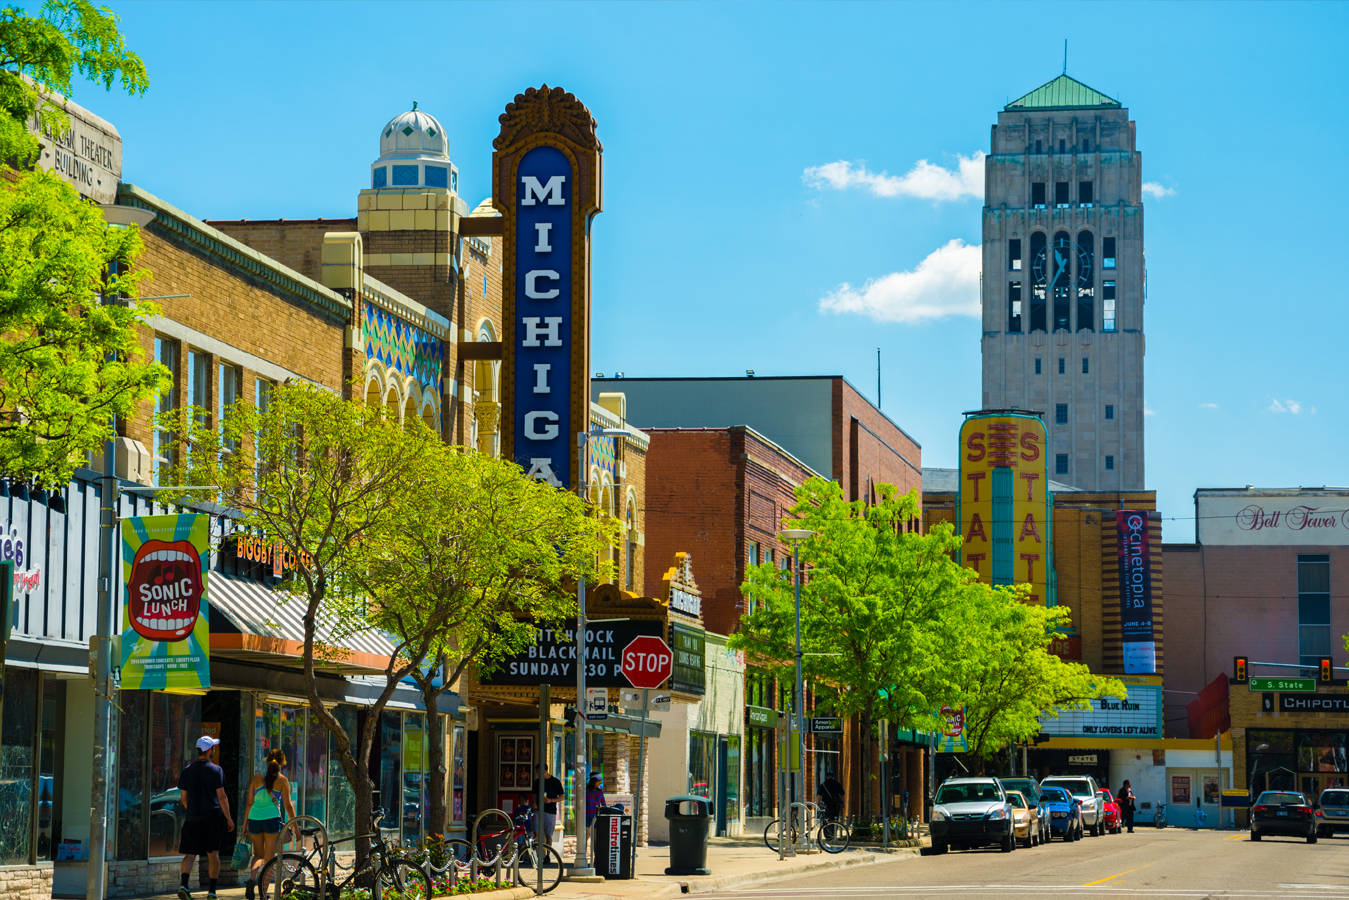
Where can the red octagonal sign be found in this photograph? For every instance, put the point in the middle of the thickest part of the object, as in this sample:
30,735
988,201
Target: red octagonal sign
647,662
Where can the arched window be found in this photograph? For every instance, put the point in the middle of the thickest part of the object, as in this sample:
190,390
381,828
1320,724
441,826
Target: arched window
410,415
372,389
1086,281
630,564
1061,283
1039,280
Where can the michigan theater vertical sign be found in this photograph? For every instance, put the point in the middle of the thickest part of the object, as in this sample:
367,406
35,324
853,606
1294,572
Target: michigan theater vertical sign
546,177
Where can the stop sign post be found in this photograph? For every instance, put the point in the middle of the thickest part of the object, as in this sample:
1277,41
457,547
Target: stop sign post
647,661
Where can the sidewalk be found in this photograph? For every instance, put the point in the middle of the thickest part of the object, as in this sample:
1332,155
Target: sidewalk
734,862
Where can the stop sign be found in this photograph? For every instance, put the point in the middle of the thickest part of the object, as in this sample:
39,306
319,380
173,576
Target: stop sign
647,662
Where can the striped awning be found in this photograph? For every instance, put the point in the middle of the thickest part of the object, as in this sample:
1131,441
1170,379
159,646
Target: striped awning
270,624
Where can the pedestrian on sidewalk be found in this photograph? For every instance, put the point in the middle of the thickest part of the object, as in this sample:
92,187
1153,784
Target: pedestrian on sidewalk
201,791
1127,800
831,796
594,798
268,796
552,793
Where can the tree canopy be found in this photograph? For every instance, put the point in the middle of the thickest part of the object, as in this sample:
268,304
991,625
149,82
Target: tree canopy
893,627
69,361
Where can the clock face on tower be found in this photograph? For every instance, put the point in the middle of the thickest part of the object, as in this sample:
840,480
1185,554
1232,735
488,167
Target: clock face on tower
1038,266
1063,251
1083,266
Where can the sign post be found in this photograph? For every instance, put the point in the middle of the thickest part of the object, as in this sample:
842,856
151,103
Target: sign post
647,662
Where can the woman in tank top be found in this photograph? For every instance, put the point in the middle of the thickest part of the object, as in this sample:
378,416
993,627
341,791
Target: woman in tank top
268,796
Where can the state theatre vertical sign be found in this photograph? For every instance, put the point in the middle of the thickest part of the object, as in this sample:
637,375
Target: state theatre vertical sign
1003,502
546,173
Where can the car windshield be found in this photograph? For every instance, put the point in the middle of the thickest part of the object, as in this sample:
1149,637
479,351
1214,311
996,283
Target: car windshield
1015,798
1079,786
967,793
1053,795
1335,798
1280,798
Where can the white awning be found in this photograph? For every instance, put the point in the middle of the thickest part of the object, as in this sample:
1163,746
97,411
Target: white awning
271,624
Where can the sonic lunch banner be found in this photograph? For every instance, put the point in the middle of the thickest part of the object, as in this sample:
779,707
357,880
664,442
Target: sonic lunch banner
165,633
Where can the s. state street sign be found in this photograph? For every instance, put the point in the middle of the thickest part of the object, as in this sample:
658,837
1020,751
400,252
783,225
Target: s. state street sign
647,662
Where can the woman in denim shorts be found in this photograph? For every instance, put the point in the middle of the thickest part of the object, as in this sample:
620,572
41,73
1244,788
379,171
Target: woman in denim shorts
268,797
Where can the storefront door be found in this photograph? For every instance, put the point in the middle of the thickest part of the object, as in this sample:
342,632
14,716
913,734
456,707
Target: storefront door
721,795
1194,798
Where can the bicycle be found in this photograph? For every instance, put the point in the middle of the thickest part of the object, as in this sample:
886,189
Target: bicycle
514,847
830,835
1159,817
293,875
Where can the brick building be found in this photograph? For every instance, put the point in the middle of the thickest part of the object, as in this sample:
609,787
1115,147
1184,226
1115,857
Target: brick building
1264,579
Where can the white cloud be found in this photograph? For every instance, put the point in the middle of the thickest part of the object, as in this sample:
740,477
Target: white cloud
1208,406
945,283
925,180
1293,407
1156,190
1149,412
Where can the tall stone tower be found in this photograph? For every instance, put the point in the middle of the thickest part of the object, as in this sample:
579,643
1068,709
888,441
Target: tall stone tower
1063,279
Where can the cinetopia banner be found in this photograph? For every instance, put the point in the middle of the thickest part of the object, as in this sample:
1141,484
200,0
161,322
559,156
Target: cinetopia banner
1135,591
165,628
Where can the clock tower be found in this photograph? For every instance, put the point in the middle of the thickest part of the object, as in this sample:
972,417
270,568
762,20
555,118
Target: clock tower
1063,279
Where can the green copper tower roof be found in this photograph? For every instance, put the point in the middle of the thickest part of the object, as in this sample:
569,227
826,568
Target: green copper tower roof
1064,93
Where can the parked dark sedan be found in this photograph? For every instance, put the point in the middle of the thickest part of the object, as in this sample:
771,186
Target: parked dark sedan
1283,812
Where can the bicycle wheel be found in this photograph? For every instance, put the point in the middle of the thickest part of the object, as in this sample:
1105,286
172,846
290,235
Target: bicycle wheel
834,837
299,879
403,879
459,850
536,862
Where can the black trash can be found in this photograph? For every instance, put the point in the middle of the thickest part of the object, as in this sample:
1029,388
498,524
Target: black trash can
613,842
690,817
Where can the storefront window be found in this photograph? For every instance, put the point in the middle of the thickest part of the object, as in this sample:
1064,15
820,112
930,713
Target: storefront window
175,723
702,764
49,767
733,778
341,821
390,777
315,771
1321,752
133,719
414,776
759,762
459,778
16,765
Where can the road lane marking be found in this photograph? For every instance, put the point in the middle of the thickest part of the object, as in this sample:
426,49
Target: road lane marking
1113,877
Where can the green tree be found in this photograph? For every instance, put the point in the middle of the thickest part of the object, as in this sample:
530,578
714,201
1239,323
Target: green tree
871,607
41,55
331,481
1007,680
69,362
487,554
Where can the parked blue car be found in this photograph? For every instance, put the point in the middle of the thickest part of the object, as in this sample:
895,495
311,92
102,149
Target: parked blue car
1065,813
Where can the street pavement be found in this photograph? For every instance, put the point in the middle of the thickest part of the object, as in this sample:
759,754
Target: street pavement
1148,863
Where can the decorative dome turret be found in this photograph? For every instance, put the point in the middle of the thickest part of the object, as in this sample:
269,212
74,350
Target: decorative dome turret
414,152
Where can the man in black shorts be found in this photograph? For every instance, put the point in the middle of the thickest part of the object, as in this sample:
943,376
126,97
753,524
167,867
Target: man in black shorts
201,791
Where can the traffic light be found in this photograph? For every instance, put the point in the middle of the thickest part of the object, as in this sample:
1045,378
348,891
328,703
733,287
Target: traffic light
1327,670
1239,675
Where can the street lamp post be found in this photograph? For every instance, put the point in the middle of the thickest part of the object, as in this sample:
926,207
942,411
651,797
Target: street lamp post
582,868
795,536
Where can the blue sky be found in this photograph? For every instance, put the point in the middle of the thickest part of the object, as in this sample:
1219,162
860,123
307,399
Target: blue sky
722,241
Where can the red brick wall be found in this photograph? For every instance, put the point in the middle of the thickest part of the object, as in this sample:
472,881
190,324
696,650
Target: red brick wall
868,446
710,492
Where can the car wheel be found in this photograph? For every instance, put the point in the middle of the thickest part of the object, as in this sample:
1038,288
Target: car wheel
1096,830
1311,839
1255,835
939,848
1009,842
1322,831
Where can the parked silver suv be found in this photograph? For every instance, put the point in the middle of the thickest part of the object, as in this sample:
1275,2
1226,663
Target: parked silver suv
1333,805
970,812
1084,788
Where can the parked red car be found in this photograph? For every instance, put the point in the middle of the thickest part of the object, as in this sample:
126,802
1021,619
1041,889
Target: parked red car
1114,816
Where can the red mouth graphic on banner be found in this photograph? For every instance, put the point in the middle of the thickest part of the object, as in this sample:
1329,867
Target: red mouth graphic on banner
165,590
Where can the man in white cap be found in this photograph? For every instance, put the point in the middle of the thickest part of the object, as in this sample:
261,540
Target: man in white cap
201,791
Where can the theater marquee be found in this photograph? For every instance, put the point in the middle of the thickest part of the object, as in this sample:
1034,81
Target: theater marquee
546,171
